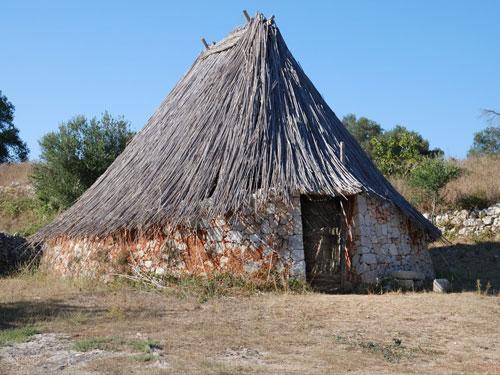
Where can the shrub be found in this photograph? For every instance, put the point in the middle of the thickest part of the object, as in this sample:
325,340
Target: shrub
398,151
73,157
431,175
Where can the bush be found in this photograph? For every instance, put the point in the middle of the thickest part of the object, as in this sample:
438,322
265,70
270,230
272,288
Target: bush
76,155
431,175
396,152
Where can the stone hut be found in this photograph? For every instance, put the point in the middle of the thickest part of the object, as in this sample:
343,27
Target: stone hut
243,168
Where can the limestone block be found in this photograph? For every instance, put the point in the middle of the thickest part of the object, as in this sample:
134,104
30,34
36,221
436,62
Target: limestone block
298,270
487,220
369,258
362,268
408,275
405,284
393,250
441,285
234,236
265,227
370,277
295,242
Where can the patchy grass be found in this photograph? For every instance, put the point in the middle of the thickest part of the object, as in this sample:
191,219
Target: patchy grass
289,333
216,285
16,335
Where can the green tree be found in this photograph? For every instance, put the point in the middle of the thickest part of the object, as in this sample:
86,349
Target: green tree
430,176
363,130
12,148
398,151
486,142
73,157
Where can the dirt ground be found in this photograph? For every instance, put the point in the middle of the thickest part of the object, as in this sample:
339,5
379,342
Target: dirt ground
86,329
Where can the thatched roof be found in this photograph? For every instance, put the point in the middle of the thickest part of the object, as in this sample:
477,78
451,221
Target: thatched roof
244,118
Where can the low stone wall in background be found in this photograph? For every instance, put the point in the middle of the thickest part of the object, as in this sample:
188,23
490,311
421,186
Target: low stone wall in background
465,223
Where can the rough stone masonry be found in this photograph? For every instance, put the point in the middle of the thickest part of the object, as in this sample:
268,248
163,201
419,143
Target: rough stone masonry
256,242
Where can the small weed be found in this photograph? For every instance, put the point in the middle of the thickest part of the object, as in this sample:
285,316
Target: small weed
146,357
146,346
93,343
16,335
392,352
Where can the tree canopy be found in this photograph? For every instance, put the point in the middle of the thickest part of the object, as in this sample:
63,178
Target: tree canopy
12,148
363,130
398,151
73,157
486,142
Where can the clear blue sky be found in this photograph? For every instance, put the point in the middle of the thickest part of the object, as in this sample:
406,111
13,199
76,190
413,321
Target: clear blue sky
429,65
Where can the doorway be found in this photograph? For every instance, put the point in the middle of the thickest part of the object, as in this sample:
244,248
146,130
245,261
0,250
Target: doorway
322,225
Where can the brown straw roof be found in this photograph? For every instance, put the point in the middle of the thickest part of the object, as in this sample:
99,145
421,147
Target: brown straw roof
244,118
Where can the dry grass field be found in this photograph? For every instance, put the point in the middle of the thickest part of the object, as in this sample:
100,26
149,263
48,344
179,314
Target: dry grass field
77,328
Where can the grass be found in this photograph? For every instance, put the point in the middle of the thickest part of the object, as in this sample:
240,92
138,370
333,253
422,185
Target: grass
18,173
477,186
16,335
292,333
216,285
23,214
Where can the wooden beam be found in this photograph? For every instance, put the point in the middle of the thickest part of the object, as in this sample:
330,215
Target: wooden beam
204,43
342,152
245,13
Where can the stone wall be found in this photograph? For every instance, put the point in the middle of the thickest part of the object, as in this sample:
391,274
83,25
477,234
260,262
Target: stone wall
470,223
255,242
15,252
384,241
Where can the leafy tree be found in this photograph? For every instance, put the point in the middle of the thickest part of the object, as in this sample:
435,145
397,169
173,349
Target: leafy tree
363,130
431,175
12,148
486,142
73,157
398,151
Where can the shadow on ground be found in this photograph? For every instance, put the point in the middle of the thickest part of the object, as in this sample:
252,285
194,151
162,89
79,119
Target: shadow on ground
23,313
465,264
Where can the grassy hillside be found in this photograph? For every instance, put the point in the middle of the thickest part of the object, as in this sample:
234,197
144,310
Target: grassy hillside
20,211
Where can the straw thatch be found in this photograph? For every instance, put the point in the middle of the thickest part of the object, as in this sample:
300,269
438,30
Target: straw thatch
244,118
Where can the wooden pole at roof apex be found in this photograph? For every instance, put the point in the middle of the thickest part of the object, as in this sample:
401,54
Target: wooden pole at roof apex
204,43
245,13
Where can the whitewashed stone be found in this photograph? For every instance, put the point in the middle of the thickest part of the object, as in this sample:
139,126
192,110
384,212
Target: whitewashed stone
148,263
441,285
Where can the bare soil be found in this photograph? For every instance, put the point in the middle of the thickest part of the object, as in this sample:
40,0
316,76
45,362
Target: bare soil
268,333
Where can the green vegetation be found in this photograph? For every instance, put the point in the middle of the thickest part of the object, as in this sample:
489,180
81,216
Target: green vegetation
399,151
145,346
74,157
363,130
12,148
486,142
23,214
430,176
16,335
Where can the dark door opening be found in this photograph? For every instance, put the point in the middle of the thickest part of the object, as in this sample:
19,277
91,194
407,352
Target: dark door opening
323,240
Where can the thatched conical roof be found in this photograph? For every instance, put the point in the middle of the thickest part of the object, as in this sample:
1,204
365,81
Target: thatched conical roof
244,118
